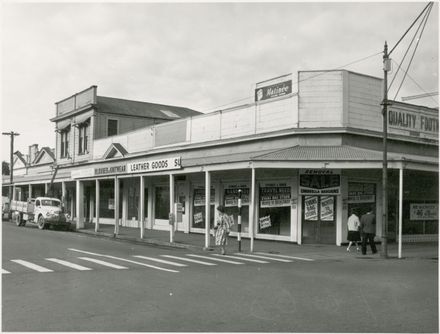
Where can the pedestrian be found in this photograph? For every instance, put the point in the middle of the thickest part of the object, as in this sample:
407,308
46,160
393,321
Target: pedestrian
354,234
221,229
368,231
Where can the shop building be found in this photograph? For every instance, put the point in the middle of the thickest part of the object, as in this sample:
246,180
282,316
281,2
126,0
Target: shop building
301,158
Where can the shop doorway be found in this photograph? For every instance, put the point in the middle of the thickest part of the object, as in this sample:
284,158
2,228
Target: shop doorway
319,219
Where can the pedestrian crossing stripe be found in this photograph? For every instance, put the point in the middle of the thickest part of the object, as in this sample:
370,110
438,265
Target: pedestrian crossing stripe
286,256
122,259
190,260
5,271
33,266
161,261
214,259
104,263
241,258
68,264
263,257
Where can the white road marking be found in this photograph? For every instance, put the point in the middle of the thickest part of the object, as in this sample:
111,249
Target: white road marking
104,263
68,264
160,260
214,259
286,256
190,260
33,266
122,259
241,258
5,271
263,257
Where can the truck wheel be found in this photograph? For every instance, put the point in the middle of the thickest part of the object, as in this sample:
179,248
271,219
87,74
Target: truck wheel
41,223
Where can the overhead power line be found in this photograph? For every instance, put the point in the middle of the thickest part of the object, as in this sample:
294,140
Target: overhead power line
423,23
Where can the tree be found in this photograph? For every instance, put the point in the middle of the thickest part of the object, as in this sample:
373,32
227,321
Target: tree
5,168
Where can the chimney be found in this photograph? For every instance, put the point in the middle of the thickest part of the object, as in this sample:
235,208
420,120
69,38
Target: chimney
33,151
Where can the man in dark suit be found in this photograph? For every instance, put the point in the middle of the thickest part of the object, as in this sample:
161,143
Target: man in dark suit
368,231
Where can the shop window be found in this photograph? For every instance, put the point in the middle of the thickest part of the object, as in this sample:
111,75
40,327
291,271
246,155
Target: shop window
274,209
199,214
107,199
83,130
361,197
64,149
112,127
162,203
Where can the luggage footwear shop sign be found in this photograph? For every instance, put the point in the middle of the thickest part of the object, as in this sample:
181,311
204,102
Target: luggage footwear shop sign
319,182
145,166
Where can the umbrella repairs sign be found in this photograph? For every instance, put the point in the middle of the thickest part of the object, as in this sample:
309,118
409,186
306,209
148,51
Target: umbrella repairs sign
319,182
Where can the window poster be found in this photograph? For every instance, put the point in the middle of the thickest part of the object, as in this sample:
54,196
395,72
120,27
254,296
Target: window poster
423,211
311,208
231,194
199,196
198,218
265,222
327,208
111,203
275,194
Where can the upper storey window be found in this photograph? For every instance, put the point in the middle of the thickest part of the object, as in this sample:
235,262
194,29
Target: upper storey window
83,130
65,134
112,127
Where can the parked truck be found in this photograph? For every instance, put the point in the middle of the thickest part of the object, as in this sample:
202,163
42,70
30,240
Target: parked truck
43,211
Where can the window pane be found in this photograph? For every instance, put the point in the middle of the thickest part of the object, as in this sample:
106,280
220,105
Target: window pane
112,127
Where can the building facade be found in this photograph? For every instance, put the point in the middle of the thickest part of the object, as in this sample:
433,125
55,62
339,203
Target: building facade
301,158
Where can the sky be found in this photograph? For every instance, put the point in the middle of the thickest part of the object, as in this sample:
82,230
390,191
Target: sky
202,55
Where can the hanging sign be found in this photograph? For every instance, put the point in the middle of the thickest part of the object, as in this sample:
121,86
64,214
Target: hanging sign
311,208
275,194
231,194
423,211
319,181
265,222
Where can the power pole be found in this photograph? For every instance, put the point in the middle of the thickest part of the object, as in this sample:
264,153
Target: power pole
386,68
12,134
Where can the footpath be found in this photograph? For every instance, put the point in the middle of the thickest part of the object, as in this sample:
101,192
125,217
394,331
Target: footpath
196,242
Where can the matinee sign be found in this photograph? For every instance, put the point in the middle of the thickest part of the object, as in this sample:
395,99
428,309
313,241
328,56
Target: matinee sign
319,181
272,91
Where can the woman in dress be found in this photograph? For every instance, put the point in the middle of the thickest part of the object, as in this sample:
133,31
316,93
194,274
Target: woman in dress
354,235
221,229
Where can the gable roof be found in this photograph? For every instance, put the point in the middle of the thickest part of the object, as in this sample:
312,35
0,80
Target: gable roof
20,157
113,151
44,150
113,105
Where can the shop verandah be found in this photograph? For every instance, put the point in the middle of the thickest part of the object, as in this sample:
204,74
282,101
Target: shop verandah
201,191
